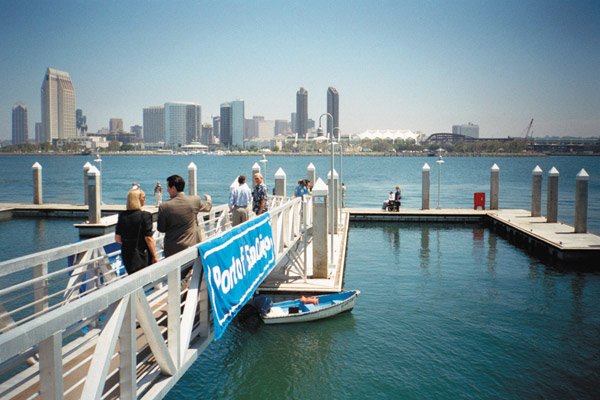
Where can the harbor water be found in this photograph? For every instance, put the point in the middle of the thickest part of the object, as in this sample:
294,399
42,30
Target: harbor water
446,310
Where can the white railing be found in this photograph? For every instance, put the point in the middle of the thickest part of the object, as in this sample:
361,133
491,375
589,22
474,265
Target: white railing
69,338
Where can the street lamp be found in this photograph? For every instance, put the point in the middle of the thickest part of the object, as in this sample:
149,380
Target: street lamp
331,204
98,160
264,161
439,162
341,180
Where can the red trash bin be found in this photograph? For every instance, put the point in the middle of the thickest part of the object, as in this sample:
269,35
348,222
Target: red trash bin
479,201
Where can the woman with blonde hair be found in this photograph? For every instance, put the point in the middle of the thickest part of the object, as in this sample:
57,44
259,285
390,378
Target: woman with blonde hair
134,232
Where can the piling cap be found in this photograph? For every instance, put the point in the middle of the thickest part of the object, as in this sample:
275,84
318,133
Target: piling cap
37,165
280,173
335,174
320,188
234,184
582,175
255,167
553,172
93,171
87,165
537,170
495,168
426,167
310,167
192,166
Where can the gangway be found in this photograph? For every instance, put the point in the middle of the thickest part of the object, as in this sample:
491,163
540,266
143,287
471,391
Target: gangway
72,327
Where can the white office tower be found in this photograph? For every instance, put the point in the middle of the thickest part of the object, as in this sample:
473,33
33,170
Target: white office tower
58,106
469,129
182,123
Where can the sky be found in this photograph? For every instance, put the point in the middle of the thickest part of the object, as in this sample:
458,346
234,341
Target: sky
419,65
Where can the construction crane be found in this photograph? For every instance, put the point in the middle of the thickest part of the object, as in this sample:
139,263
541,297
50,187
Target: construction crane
528,132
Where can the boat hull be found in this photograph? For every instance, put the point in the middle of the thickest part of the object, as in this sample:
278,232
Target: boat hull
329,305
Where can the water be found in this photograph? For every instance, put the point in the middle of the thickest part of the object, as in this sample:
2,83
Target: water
446,311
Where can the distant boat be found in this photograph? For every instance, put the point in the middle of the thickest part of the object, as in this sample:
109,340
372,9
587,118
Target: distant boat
86,152
309,308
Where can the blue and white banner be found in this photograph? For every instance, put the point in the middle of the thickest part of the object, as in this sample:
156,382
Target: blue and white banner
235,264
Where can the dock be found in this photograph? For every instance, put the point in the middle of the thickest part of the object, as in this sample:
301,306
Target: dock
163,323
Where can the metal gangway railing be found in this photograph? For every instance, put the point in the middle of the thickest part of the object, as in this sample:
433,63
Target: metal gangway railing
73,325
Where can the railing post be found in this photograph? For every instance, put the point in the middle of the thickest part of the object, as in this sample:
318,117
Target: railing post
280,179
51,368
86,168
581,201
552,200
425,187
37,183
494,187
174,315
94,210
536,192
320,223
40,288
192,179
127,353
311,174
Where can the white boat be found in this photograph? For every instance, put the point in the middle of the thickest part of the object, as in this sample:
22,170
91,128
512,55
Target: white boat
310,309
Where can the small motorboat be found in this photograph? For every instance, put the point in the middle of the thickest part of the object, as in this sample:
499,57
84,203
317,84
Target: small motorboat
307,308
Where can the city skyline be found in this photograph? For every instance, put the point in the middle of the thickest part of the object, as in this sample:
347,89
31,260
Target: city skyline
397,65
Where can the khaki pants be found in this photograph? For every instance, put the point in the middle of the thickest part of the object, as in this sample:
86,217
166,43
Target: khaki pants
239,215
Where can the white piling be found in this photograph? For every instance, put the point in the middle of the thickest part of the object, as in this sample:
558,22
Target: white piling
536,192
37,183
425,187
494,187
552,197
311,173
94,195
581,201
334,223
255,170
192,179
280,182
320,223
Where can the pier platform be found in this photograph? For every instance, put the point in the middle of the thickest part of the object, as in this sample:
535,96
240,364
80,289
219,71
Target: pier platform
555,240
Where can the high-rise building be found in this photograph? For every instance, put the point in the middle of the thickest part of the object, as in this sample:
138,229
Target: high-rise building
207,134
216,130
154,124
469,129
281,126
225,125
115,125
237,123
138,131
58,106
80,122
182,123
20,130
39,132
302,112
333,108
293,123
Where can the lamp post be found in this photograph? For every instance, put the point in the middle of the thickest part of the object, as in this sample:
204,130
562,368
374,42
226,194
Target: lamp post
331,205
264,161
439,162
341,180
98,160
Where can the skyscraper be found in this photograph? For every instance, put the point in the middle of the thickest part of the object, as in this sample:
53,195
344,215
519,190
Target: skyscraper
237,123
182,123
469,129
302,112
217,128
154,124
225,124
115,125
80,122
20,131
333,108
39,133
58,106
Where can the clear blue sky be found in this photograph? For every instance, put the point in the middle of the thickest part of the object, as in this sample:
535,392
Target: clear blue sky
419,65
